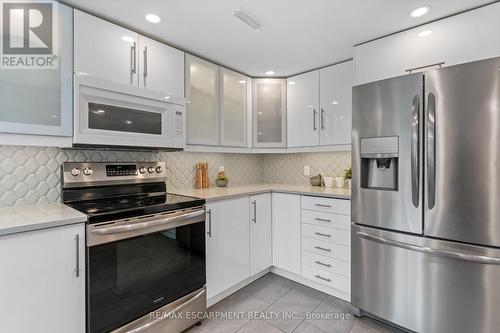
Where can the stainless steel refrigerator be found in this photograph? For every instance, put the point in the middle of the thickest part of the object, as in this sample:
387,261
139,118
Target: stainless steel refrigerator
426,199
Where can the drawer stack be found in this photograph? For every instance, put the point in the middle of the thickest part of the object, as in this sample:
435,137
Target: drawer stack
326,241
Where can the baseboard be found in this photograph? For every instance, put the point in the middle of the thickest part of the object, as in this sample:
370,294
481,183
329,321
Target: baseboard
219,297
306,282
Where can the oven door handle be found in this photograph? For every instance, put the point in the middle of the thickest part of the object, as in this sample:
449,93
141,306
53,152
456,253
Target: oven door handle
169,314
145,225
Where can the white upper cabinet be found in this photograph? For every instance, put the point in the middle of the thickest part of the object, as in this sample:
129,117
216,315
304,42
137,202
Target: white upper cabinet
233,108
260,233
335,104
202,101
462,38
161,67
269,113
39,101
105,50
303,114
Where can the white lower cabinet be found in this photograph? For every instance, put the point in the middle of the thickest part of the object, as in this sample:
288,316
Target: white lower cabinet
227,244
42,276
260,233
286,232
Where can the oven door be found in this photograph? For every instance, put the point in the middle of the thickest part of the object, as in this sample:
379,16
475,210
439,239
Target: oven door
111,114
137,266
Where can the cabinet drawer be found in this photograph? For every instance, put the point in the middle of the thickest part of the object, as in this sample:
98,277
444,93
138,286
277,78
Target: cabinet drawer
332,280
325,263
331,235
327,249
328,205
326,219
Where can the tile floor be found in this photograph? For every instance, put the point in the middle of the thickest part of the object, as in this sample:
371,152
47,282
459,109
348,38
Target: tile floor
284,304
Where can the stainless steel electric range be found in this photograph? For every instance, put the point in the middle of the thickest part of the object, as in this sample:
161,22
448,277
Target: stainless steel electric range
145,247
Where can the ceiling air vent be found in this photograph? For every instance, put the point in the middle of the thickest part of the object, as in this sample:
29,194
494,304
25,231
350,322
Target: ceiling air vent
247,18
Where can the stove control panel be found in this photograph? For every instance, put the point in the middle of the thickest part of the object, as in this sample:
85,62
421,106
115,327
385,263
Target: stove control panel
95,174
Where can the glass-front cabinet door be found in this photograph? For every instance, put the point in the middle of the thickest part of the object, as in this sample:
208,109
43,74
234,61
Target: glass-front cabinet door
202,80
233,108
269,113
37,99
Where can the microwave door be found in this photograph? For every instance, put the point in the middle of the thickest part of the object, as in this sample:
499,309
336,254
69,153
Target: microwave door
462,153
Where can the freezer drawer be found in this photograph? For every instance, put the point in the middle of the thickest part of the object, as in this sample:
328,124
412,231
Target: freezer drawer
425,285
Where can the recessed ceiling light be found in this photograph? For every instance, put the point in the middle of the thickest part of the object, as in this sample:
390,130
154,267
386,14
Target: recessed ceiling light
270,73
292,82
424,33
153,18
242,81
335,102
420,11
128,39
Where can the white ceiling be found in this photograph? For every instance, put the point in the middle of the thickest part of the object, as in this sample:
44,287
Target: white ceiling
297,35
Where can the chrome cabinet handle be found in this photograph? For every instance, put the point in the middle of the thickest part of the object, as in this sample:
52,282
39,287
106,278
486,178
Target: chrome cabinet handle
435,252
322,220
133,59
254,219
323,249
209,232
415,147
324,235
431,150
77,251
323,205
145,73
314,120
322,278
322,263
322,119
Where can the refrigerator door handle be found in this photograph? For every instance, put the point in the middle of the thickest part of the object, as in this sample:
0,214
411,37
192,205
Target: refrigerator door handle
415,145
431,251
431,150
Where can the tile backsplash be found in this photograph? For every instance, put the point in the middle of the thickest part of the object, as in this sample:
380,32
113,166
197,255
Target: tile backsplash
33,174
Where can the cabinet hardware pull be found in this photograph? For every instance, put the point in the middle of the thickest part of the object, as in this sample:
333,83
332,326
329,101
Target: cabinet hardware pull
322,220
324,235
323,205
77,251
323,249
132,62
254,203
322,118
322,278
145,74
209,232
314,120
322,263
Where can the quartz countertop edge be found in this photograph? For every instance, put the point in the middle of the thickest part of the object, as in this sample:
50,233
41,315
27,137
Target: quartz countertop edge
38,216
220,193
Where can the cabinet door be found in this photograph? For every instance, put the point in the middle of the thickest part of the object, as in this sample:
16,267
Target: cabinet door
303,110
39,101
105,50
228,248
286,232
202,82
396,54
336,104
161,67
269,113
40,290
233,108
260,233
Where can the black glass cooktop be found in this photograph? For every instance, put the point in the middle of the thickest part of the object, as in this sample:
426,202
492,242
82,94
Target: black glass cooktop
135,205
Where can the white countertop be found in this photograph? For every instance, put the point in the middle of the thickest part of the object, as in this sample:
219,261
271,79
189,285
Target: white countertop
218,193
40,216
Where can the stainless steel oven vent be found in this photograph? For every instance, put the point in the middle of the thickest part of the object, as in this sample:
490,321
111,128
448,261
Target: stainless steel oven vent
247,18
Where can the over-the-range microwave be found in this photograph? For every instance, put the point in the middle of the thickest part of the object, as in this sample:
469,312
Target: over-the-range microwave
108,114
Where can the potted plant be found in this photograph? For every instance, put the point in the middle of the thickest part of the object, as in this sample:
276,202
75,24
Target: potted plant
221,181
348,176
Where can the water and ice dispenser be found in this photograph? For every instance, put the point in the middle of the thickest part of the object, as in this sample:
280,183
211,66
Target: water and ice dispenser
379,163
